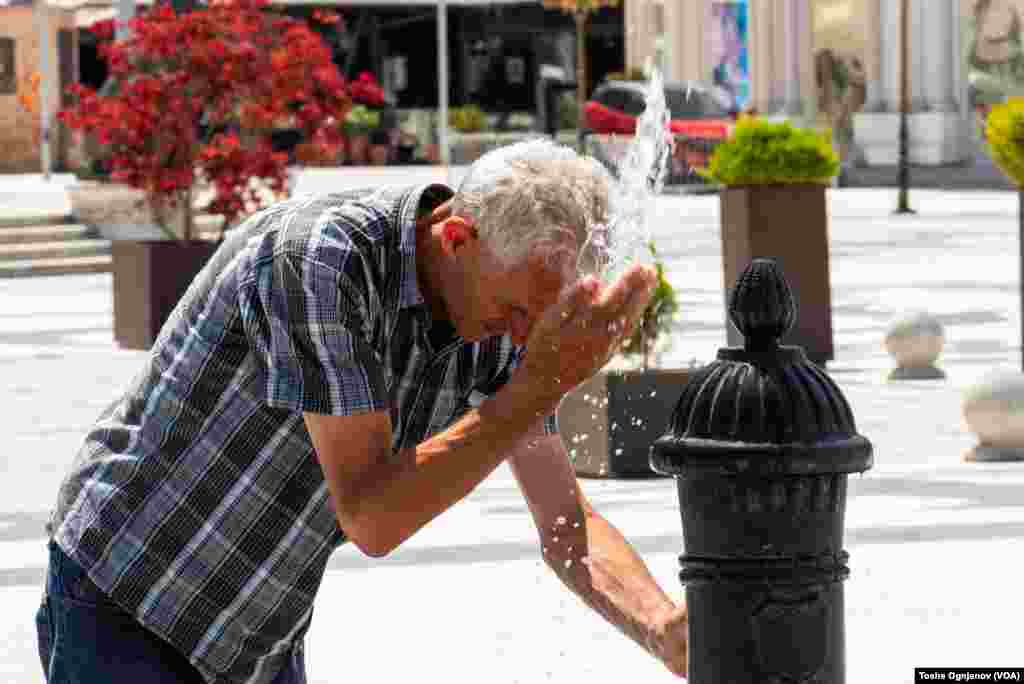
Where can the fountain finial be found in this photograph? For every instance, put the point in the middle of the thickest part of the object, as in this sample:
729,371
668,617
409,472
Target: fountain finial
762,306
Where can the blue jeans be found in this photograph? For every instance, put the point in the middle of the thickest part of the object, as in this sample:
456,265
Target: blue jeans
85,638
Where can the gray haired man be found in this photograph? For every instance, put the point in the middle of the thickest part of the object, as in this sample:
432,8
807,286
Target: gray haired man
346,368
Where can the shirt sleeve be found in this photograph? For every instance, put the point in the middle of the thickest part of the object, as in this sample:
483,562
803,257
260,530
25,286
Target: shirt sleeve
309,322
503,375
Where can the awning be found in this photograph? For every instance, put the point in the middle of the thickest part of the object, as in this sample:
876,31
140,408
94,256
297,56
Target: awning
87,16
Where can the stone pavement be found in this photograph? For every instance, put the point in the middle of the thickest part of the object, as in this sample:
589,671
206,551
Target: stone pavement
935,544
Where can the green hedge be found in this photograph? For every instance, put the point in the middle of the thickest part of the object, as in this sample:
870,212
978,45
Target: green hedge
1004,133
761,152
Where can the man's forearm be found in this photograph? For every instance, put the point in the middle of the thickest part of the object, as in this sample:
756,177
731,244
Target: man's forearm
429,479
604,570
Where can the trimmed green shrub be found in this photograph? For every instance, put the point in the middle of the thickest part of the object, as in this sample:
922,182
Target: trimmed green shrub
360,120
630,74
468,119
1004,135
761,152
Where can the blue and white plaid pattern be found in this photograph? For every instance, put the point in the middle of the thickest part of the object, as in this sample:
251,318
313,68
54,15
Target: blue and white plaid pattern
197,501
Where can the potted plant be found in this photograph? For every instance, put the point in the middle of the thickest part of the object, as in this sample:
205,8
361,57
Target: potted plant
359,121
610,421
773,204
469,121
183,85
1004,137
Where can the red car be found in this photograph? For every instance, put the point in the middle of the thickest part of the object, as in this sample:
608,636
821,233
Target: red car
700,116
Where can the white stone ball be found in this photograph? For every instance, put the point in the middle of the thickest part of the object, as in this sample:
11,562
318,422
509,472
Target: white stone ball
994,411
915,340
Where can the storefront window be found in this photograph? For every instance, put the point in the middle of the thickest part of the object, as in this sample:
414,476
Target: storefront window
8,78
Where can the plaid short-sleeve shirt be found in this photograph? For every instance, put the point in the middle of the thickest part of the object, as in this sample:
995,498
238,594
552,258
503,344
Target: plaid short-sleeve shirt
197,501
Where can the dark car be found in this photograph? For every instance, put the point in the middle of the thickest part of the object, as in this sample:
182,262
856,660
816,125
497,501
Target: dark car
699,117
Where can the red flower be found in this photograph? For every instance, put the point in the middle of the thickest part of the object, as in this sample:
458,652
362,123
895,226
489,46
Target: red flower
367,91
231,62
104,28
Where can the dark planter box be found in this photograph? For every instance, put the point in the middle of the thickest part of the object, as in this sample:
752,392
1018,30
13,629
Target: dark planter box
788,223
149,279
620,414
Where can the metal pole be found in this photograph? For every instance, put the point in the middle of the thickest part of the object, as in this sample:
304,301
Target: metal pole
125,13
903,206
442,80
45,85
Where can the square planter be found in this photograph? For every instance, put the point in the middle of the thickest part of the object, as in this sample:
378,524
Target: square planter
878,135
610,421
150,276
788,223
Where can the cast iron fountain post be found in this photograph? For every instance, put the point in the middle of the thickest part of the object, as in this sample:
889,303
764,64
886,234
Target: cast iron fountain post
761,444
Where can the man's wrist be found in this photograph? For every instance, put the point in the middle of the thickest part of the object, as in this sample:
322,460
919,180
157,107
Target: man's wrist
523,401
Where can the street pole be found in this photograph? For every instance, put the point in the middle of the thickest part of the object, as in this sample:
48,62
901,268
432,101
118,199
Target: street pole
903,206
42,17
442,82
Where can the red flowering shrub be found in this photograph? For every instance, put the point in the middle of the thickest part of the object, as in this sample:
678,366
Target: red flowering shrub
365,90
230,67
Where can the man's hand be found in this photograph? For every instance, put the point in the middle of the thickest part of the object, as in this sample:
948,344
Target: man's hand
667,640
580,333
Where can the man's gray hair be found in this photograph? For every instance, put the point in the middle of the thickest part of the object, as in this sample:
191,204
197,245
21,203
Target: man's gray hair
538,195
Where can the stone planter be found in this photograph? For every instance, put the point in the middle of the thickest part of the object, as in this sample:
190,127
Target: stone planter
120,212
915,341
609,422
878,135
935,138
358,149
993,409
788,223
379,155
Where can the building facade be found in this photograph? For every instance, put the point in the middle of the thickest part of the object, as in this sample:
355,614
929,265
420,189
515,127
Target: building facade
25,35
837,63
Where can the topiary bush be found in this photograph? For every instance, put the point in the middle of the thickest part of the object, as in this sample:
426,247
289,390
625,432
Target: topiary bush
1004,133
468,119
761,152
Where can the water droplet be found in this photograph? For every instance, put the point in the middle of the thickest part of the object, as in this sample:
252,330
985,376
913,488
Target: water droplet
568,563
554,539
560,520
618,452
654,392
576,524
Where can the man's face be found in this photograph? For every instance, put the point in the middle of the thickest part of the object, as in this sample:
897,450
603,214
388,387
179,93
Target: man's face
509,300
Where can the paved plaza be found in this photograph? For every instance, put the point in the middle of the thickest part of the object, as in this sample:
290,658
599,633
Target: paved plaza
935,544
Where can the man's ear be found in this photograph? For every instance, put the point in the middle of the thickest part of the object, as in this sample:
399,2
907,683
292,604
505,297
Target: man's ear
457,231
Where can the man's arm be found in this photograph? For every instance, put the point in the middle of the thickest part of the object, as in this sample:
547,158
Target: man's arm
380,500
591,557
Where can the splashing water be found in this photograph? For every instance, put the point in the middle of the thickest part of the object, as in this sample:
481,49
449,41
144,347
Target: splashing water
640,177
